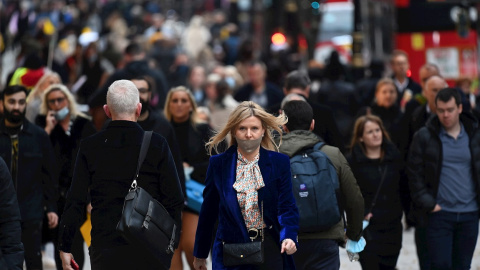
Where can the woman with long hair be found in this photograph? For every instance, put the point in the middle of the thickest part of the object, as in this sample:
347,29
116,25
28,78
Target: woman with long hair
248,189
192,135
66,127
378,168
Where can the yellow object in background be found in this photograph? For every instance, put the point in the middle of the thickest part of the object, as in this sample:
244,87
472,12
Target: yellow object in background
48,27
418,41
85,230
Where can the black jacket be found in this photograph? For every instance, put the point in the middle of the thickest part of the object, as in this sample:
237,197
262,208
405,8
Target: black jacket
192,147
11,247
37,173
425,163
274,94
105,168
384,233
156,122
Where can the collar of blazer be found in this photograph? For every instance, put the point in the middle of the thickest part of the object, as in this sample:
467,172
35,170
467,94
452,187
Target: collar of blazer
229,163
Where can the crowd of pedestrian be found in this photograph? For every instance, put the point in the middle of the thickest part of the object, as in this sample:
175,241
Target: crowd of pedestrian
405,153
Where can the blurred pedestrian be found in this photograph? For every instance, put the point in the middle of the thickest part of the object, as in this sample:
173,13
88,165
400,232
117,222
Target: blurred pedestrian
27,148
66,126
34,99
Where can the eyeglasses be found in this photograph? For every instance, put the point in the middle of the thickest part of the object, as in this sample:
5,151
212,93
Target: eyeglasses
55,100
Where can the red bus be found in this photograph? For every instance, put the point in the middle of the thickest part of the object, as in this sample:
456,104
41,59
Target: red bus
440,33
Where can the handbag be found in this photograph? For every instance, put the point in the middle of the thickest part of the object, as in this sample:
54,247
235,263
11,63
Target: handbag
145,222
244,253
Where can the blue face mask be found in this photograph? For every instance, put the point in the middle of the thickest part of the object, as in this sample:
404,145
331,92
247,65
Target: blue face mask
62,113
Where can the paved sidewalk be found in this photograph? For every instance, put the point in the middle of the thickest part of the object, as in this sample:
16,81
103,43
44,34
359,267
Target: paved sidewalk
407,260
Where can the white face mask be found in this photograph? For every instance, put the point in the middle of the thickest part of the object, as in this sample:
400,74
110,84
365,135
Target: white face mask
249,146
62,113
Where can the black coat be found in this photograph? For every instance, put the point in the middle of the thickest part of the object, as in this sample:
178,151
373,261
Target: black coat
37,174
105,168
11,247
192,147
391,118
159,124
274,94
384,233
425,163
65,148
325,125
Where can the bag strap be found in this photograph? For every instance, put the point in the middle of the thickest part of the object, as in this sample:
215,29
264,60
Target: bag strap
379,187
147,135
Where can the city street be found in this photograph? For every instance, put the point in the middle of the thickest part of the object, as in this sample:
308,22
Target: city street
407,261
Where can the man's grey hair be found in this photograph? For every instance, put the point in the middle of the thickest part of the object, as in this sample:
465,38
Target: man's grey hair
291,97
122,97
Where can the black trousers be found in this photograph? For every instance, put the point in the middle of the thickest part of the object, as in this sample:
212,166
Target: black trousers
321,254
32,243
272,256
121,257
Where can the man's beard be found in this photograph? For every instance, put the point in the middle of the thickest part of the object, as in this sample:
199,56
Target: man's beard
15,116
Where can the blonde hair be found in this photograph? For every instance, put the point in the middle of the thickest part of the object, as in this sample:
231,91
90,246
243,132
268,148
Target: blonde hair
243,111
36,91
193,114
382,82
72,104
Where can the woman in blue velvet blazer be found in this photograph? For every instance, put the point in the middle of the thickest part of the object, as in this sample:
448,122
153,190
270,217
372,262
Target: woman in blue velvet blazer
250,132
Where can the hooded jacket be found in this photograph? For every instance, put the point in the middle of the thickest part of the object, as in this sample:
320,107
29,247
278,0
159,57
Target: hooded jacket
351,197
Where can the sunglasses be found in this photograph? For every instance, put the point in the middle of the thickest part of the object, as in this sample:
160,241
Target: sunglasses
55,100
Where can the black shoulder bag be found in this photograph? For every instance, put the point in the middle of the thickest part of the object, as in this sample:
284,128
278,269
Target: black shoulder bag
145,222
244,253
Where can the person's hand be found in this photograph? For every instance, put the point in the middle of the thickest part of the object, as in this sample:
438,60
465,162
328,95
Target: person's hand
288,246
199,264
66,259
50,121
437,208
89,208
52,220
368,216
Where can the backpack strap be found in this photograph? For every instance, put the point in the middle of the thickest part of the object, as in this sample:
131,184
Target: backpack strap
318,145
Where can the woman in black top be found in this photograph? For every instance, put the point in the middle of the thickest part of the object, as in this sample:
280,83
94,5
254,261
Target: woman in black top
66,126
192,135
378,168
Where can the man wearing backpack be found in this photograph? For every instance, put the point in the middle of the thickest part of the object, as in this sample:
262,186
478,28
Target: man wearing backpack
318,248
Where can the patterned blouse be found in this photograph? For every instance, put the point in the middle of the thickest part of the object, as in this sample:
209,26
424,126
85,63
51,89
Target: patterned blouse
248,180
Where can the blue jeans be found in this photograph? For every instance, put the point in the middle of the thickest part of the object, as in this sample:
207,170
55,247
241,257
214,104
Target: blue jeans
317,254
451,239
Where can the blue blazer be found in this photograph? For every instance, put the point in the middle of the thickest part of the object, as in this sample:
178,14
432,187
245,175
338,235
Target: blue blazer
220,201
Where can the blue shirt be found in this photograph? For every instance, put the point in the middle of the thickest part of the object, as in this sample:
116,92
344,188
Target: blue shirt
456,190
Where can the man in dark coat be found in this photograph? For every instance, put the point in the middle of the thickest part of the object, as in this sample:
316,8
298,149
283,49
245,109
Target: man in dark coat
444,178
136,65
104,169
298,82
258,89
407,88
27,149
150,119
11,247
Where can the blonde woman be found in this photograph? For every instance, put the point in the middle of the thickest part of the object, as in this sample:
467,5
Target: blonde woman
66,127
192,135
248,189
34,99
